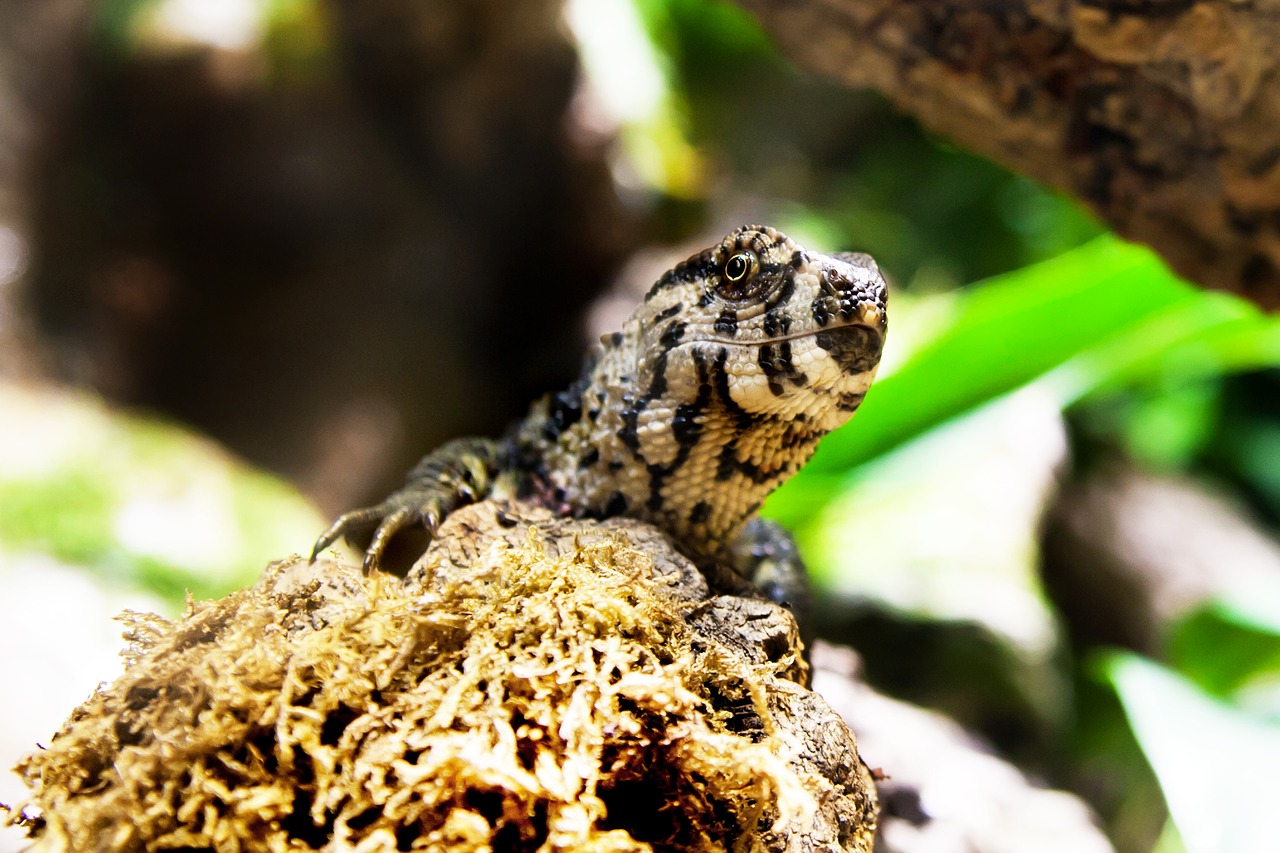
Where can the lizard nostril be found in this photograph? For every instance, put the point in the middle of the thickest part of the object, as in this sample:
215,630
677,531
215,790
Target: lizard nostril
834,282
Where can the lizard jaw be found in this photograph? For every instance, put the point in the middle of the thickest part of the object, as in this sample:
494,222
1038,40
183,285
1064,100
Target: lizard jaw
855,347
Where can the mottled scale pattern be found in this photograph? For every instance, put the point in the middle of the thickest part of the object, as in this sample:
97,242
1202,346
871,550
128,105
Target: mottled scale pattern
715,391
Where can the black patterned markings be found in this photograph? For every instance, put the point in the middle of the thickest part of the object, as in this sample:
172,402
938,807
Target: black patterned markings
775,362
616,505
777,321
700,513
686,426
667,313
729,464
591,457
564,409
686,423
727,323
697,268
772,325
849,402
629,433
658,385
848,309
821,310
845,292
672,335
855,348
686,429
741,418
799,435
657,476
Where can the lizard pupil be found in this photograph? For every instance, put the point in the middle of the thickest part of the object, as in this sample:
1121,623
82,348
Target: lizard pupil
738,267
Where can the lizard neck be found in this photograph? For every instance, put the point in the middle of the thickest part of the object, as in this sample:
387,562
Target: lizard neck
661,439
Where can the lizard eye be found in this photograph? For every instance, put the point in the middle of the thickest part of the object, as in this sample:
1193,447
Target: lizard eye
736,275
739,266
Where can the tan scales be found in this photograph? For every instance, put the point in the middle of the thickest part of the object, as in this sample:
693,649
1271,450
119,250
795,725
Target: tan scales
716,390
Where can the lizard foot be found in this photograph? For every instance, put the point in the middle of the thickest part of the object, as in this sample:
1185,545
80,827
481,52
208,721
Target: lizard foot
765,554
459,473
373,528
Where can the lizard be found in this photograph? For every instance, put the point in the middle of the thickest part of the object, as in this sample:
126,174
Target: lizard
715,391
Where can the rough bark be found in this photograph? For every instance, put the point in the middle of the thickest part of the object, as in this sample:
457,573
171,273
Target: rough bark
1162,115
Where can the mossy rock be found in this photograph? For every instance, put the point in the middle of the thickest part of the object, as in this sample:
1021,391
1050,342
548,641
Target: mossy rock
534,684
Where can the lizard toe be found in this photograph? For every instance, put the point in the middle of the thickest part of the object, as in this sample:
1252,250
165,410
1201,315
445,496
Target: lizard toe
390,525
350,526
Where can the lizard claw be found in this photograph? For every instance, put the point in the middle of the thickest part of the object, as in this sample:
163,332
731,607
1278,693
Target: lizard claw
344,525
387,529
385,520
458,473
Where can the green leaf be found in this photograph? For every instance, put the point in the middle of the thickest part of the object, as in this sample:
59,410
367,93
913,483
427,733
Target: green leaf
1001,335
1202,336
1215,764
1228,647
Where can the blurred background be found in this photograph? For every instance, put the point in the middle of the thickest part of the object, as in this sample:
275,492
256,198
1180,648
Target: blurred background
257,256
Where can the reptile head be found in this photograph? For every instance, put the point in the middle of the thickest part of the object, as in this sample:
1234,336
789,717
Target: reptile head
716,390
795,334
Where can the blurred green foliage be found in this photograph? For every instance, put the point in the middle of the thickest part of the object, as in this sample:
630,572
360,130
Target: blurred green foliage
1231,650
138,501
1105,328
292,34
1215,762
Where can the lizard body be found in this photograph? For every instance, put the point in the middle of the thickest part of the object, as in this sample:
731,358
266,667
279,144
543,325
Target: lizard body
716,390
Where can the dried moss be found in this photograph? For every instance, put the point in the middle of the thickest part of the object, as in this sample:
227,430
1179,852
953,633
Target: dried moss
533,698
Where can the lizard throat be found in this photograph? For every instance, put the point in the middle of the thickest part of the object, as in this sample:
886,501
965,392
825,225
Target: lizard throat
673,443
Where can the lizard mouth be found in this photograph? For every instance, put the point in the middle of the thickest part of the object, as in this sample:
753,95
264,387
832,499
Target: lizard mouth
855,346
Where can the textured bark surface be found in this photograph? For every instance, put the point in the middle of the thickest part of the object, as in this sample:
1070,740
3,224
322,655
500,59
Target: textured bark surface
1162,115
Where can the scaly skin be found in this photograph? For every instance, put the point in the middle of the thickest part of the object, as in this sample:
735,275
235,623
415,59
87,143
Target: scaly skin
715,391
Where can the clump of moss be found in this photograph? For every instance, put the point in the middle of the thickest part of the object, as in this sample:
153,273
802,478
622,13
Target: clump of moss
543,698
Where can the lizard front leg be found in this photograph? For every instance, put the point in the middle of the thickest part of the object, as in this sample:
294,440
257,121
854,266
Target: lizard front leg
765,554
458,473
